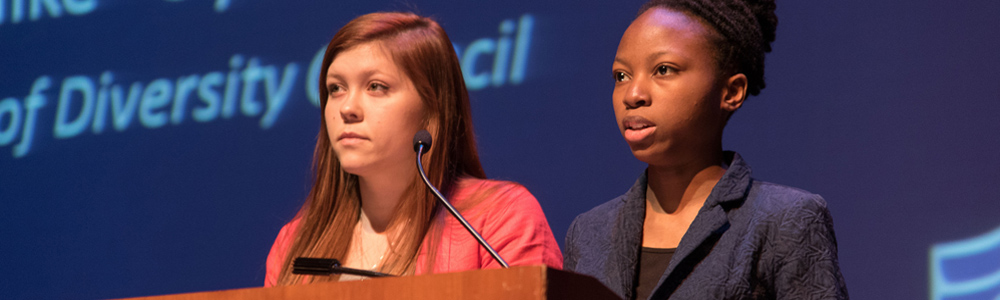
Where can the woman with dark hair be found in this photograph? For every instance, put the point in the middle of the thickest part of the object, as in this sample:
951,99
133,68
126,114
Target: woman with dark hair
696,225
386,76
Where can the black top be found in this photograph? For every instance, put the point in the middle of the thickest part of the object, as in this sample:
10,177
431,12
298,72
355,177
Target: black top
652,263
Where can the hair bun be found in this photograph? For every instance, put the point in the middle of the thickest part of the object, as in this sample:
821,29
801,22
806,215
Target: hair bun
763,10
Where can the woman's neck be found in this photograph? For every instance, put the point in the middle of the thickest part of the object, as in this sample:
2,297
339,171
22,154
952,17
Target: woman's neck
380,195
680,188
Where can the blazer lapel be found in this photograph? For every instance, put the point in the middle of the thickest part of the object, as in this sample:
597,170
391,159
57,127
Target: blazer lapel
706,229
627,238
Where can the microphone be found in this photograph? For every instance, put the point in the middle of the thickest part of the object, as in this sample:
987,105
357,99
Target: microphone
422,144
327,266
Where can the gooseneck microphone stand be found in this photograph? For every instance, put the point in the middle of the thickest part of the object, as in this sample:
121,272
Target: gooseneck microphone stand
422,144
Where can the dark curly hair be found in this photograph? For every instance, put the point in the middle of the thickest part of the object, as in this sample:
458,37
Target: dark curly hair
745,27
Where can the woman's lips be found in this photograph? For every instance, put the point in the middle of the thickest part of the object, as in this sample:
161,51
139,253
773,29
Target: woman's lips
637,128
350,138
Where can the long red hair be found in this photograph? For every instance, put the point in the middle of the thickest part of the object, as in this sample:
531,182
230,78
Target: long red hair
420,47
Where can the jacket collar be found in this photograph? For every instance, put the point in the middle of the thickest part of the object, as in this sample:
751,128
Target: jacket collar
704,231
627,239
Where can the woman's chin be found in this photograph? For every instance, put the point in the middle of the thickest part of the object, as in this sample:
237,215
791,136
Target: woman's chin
652,155
641,152
355,167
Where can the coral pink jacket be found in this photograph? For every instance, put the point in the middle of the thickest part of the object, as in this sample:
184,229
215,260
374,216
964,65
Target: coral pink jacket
510,219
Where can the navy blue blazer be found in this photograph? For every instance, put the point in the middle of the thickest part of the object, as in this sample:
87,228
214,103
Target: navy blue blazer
750,240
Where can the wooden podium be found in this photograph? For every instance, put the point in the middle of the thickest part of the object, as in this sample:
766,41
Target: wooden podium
524,282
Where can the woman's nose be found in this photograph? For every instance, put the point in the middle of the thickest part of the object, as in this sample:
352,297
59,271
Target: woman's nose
637,95
350,109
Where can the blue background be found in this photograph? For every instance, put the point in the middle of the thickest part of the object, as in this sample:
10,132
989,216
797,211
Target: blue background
888,111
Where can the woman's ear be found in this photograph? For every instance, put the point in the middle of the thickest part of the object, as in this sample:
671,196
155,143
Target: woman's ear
432,128
431,125
734,92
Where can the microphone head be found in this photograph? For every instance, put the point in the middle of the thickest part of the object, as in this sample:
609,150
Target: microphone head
422,138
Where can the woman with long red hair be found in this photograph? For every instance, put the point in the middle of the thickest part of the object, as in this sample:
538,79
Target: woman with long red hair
386,76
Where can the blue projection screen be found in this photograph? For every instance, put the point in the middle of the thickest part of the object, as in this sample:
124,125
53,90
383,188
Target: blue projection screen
157,147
